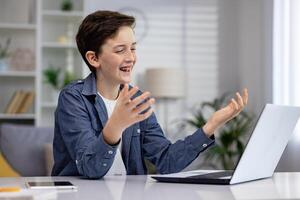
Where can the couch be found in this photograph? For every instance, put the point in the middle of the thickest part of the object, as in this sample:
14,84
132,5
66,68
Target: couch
25,150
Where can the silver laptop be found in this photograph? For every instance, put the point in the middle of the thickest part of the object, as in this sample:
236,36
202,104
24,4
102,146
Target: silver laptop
268,140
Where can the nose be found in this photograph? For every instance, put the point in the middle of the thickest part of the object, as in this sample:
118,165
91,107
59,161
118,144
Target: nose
130,56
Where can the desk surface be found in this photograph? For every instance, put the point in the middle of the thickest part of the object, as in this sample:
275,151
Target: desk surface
280,186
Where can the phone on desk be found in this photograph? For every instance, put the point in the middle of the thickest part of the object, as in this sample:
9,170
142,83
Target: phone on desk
50,185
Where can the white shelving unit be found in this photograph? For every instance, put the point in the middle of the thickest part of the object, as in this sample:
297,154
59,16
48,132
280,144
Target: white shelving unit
49,33
19,24
58,49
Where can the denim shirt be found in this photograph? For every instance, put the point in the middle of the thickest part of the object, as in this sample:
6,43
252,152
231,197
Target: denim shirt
80,150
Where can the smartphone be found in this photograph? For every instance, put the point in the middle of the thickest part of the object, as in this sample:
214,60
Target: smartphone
50,185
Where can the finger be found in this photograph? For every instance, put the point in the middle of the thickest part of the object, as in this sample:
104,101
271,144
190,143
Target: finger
136,101
144,116
144,106
235,104
240,101
245,96
124,91
131,92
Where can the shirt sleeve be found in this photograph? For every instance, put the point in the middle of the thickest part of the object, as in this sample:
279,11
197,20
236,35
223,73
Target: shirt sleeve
168,157
92,155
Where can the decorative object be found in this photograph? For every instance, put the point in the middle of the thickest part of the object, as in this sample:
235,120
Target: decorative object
57,79
22,59
66,5
165,84
68,37
4,54
230,138
62,39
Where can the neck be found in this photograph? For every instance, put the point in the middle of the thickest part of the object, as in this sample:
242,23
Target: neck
107,89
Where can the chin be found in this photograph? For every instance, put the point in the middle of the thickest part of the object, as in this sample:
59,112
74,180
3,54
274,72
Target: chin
124,81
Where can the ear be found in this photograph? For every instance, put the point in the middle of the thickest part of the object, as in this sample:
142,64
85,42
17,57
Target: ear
92,59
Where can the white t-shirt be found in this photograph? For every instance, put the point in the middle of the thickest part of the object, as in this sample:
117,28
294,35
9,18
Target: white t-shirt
118,167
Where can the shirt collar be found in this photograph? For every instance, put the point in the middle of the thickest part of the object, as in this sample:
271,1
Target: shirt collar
89,86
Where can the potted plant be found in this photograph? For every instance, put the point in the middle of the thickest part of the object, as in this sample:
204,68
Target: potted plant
4,54
57,79
229,141
66,5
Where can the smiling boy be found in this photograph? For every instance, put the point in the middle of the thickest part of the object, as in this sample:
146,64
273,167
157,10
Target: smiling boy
103,126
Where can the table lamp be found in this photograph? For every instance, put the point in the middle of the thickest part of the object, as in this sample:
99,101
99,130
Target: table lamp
165,84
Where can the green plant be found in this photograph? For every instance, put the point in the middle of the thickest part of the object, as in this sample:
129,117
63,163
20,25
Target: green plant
230,138
4,50
68,78
52,76
66,5
57,78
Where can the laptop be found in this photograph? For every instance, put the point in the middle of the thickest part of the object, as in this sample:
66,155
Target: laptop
267,142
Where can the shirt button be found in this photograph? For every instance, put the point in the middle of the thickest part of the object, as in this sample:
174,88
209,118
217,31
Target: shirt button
104,164
76,161
138,130
204,145
110,152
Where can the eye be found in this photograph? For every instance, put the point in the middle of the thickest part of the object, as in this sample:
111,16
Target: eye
133,49
120,50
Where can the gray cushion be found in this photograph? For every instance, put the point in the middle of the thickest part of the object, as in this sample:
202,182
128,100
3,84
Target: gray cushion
23,147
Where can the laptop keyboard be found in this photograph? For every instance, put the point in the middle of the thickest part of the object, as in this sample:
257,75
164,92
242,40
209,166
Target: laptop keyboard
214,175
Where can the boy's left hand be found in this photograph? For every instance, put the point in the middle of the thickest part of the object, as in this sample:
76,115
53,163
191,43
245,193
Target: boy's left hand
220,117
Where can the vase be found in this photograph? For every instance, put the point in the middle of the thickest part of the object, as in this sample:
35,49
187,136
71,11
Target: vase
55,95
3,64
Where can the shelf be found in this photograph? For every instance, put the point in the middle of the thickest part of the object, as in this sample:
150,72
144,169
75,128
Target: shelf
51,105
17,26
58,45
63,14
25,74
17,116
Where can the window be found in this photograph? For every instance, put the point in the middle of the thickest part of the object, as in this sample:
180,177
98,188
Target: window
286,59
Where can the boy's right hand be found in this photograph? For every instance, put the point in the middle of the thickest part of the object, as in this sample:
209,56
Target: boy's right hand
127,112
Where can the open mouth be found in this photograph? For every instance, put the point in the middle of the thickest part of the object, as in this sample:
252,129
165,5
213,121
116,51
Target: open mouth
125,69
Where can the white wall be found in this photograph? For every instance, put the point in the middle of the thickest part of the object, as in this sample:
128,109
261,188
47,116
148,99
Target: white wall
245,49
228,46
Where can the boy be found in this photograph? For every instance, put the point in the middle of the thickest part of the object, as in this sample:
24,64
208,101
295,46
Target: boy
104,126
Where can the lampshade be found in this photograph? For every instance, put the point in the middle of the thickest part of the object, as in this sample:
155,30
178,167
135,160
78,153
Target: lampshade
165,82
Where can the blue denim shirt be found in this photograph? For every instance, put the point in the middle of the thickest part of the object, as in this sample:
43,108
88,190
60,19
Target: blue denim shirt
80,150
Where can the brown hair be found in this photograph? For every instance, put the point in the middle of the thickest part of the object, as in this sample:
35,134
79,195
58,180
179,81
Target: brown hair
96,28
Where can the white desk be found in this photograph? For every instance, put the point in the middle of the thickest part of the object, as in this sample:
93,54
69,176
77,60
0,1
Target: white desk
281,186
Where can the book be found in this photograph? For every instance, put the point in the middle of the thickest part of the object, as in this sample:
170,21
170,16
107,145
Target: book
13,102
10,103
26,103
18,102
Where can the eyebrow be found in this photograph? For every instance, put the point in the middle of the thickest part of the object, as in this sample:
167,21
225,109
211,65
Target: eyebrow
123,45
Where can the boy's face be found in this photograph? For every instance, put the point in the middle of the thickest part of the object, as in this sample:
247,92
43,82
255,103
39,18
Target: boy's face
117,57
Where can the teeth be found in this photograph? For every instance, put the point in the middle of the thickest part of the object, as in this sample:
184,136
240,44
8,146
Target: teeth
125,69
